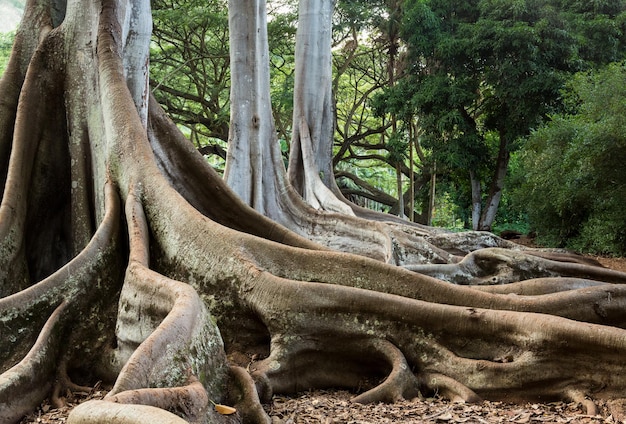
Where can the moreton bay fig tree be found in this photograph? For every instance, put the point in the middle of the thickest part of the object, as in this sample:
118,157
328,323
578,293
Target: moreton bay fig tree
125,258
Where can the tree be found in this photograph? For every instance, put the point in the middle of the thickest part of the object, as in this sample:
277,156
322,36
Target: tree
107,207
580,153
190,64
6,40
485,73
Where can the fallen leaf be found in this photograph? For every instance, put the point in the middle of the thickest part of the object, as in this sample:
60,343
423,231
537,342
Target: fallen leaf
225,410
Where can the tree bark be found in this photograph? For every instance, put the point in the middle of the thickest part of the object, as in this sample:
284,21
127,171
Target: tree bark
497,184
250,173
206,288
476,199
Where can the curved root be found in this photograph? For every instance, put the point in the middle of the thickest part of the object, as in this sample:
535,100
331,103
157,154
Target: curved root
449,388
24,386
190,401
579,397
103,412
400,384
246,398
540,286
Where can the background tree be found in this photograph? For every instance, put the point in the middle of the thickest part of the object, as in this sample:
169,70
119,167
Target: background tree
191,76
6,41
140,224
574,181
488,72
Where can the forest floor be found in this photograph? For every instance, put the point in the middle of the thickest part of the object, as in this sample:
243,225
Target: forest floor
332,406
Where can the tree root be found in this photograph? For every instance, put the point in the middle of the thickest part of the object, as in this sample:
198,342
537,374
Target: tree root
491,266
464,353
27,384
104,412
540,286
245,395
448,387
190,402
401,382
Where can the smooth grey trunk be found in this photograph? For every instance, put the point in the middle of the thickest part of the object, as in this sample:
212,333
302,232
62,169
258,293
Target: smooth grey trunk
497,184
431,197
249,169
400,191
476,199
137,31
310,159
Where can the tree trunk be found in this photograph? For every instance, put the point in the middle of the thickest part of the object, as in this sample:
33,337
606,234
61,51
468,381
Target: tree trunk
400,191
497,184
476,199
251,117
106,211
431,195
310,158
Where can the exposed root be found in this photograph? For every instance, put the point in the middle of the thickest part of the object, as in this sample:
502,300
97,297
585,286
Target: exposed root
62,383
401,382
244,394
104,412
540,286
492,266
27,384
448,387
190,402
578,396
163,358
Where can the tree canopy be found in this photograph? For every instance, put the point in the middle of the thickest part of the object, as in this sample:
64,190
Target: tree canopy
574,181
493,70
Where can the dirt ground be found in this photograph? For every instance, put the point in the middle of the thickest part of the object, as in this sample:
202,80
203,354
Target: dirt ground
333,407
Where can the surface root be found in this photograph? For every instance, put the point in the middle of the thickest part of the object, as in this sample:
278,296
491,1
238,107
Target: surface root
244,395
401,382
579,397
448,387
190,401
104,412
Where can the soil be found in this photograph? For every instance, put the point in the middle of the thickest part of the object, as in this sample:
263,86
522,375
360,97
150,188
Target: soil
333,407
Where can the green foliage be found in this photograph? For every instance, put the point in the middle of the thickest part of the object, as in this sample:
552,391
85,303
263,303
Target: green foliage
397,146
190,72
485,72
6,42
575,188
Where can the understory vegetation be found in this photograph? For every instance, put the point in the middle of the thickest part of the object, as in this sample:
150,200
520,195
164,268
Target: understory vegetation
565,182
436,134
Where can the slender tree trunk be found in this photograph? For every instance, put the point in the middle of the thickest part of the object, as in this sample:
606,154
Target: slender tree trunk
476,199
497,184
411,176
310,159
431,196
250,168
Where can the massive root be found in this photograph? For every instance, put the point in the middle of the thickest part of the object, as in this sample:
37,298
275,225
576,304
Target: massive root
218,304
